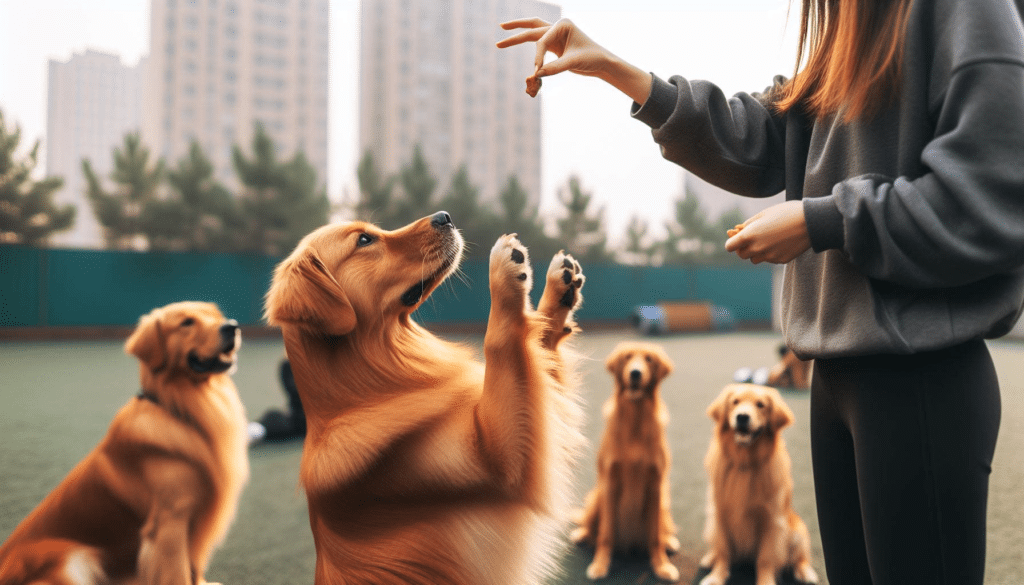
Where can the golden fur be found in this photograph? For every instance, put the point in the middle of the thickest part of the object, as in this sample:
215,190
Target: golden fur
153,499
629,508
422,465
750,489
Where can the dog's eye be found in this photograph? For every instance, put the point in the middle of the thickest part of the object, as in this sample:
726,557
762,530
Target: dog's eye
188,321
735,401
760,404
647,358
364,240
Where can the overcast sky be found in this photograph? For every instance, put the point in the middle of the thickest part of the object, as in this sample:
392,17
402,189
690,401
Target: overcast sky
739,44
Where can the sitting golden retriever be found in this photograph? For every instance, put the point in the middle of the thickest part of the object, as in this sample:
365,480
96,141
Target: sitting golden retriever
152,500
750,489
629,508
422,465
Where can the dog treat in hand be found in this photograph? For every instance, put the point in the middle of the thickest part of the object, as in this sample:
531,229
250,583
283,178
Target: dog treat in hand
533,85
734,230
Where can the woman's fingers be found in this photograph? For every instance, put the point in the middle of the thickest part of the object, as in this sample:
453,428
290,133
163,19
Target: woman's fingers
527,36
532,22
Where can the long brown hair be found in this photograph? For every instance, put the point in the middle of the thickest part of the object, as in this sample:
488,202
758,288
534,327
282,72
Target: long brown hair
854,57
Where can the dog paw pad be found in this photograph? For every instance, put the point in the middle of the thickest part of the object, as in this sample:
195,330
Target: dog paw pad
518,257
569,298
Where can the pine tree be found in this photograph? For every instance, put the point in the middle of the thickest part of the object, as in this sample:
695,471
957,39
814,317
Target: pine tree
124,211
201,213
281,202
581,230
28,214
639,250
376,192
476,222
418,185
518,214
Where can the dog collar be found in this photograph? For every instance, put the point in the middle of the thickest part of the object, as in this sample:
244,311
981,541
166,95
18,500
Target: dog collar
144,395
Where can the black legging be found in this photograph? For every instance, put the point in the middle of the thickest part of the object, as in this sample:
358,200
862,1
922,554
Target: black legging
902,450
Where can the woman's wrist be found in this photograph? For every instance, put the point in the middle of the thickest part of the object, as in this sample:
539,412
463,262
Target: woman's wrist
630,80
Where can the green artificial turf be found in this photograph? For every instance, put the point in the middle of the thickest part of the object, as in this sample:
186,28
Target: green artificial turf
57,398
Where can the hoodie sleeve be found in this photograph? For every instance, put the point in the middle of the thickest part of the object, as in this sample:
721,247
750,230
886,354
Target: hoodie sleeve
964,219
735,143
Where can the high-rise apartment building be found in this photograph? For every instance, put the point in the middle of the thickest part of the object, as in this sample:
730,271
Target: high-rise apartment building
431,76
93,100
218,66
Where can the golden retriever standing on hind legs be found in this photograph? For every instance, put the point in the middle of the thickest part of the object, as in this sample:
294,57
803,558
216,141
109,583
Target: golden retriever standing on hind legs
421,465
150,503
629,508
750,489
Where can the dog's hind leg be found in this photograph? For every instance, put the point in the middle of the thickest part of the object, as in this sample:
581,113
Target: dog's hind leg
561,297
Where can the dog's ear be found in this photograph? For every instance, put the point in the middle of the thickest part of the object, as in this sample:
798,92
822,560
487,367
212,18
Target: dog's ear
147,342
612,362
718,409
782,416
664,365
306,294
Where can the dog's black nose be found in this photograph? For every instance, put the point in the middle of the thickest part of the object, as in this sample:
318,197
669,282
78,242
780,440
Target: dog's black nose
634,376
228,328
742,422
440,219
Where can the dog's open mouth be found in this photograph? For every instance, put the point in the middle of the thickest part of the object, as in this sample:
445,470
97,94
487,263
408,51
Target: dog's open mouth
217,363
745,435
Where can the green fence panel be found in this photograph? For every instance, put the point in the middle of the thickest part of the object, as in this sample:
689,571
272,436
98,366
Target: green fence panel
612,291
746,291
115,288
19,286
90,287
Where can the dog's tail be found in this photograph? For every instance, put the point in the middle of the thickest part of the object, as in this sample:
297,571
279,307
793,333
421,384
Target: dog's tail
52,561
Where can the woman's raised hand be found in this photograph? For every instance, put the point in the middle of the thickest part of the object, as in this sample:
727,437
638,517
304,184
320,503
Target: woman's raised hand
577,53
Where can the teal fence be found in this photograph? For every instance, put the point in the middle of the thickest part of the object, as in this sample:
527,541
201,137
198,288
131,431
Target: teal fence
62,288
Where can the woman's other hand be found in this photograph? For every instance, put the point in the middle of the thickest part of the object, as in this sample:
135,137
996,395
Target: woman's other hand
577,53
776,235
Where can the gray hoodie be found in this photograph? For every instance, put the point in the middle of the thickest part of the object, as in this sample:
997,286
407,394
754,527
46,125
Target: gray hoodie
916,216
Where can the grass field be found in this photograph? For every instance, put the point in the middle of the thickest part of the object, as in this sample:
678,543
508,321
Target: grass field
56,399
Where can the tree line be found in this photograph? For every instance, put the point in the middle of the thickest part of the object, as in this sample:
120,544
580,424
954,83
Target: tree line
144,204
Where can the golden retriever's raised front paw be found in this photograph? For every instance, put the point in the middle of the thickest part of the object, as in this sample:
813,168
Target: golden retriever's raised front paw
510,272
564,281
561,297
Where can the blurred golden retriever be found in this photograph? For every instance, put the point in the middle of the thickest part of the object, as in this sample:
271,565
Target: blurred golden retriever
790,371
150,503
629,508
422,465
750,489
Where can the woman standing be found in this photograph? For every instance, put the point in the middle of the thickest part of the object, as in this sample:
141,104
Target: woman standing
900,144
